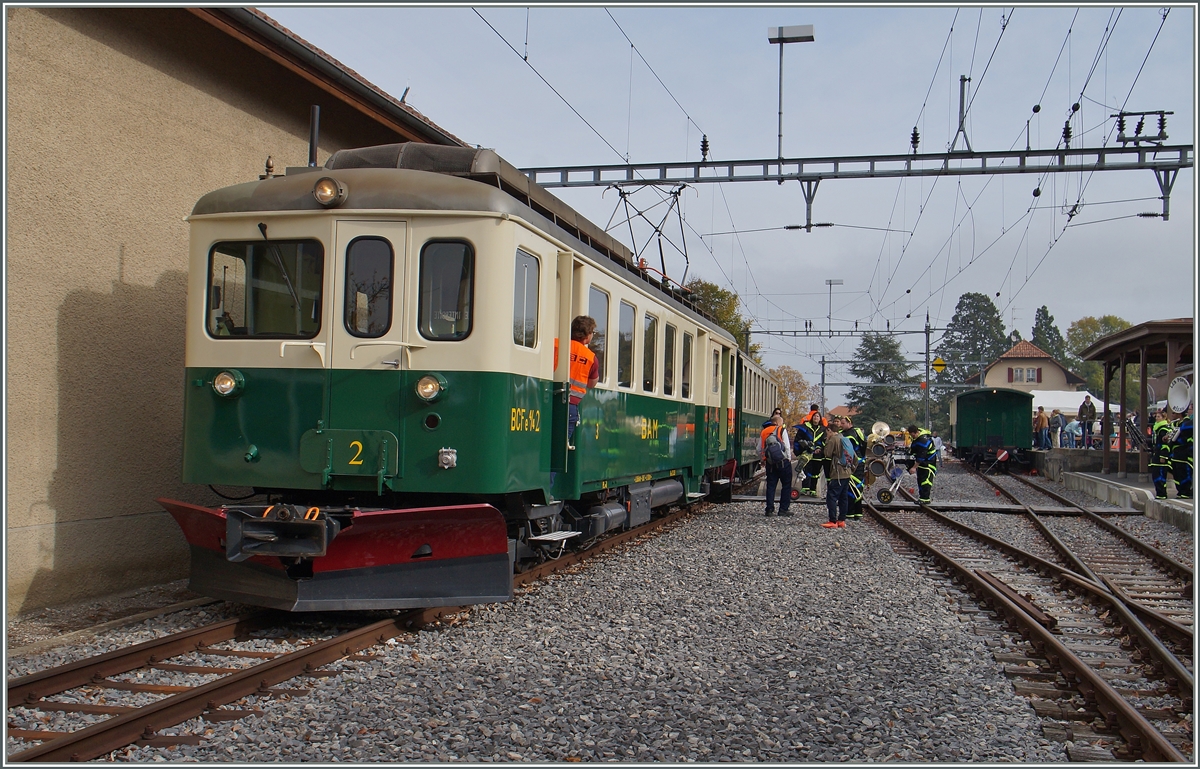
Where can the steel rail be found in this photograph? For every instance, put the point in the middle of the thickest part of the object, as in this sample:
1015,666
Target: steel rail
1143,739
1059,546
55,680
1181,570
1168,627
143,722
1164,659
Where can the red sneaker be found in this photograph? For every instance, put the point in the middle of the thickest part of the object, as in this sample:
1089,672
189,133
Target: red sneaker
830,525
841,524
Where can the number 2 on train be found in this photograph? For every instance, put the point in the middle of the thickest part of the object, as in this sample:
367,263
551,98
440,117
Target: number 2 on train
356,460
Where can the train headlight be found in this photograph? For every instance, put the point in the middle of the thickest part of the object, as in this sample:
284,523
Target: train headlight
228,384
329,192
430,386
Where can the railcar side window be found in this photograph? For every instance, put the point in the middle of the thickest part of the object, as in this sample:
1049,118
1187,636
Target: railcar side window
368,302
598,310
649,350
716,370
669,361
625,346
685,378
525,300
265,289
447,278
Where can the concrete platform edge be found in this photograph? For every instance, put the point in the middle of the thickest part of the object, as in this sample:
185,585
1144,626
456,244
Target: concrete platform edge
1178,513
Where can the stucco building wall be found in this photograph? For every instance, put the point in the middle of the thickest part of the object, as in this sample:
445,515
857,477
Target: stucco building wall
1054,377
118,120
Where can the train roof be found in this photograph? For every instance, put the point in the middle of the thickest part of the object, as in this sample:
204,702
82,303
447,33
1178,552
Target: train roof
427,177
1005,390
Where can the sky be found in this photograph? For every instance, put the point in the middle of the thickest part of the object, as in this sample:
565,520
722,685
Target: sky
580,86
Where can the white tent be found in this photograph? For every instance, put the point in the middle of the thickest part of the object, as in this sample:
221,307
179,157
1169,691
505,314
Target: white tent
1068,402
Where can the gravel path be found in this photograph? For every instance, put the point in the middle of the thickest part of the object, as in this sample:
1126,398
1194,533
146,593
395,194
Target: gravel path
734,637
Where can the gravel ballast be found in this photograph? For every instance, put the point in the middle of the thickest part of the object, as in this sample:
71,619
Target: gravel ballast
732,637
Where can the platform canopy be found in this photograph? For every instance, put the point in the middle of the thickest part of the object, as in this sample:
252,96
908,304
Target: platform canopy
1066,401
1167,342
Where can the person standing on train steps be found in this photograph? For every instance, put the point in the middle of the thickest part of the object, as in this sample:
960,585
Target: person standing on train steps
926,467
776,452
584,372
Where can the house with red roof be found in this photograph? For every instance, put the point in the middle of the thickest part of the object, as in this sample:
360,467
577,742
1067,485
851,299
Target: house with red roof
1027,367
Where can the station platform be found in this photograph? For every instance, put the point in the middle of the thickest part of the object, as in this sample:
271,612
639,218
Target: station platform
1139,495
1082,470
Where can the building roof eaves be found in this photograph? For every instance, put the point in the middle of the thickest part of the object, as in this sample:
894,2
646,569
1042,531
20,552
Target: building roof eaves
285,42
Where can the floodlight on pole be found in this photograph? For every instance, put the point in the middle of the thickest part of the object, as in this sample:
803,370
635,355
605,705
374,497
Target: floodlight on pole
831,282
800,33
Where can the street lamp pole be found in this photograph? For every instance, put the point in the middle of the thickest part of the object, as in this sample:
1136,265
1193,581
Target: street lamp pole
831,282
801,33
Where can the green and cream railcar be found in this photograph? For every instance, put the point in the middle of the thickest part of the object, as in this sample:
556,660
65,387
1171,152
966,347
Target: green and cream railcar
380,349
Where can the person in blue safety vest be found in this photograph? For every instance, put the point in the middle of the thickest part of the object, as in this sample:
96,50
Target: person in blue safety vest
857,479
810,441
925,453
1181,457
1160,458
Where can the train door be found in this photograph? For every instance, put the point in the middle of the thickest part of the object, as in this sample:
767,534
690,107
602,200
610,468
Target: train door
367,357
716,433
568,293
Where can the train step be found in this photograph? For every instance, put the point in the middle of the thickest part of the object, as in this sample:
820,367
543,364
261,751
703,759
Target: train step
554,536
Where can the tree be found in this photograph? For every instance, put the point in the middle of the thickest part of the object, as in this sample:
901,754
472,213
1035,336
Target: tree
722,305
1081,335
880,361
795,394
975,333
1046,335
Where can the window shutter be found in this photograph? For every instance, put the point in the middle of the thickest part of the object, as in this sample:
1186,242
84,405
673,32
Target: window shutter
1039,375
1010,377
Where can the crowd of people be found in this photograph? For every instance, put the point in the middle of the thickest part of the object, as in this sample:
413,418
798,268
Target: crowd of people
832,446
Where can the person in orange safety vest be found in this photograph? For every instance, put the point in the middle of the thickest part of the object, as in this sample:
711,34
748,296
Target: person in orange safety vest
584,371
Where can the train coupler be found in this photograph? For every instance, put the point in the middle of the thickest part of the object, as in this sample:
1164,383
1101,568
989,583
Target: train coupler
287,531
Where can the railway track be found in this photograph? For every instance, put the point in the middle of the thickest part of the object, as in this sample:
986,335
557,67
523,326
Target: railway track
1157,587
196,673
1095,668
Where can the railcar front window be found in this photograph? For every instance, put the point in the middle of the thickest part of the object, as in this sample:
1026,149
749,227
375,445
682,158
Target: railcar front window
265,289
625,346
368,302
447,290
598,310
525,300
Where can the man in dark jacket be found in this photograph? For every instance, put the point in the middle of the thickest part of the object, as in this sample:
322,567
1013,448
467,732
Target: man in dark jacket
1087,418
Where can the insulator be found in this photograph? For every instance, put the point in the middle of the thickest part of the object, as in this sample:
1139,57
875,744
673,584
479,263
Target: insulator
1074,108
704,147
1141,124
1037,108
1121,123
1037,192
1162,123
1067,133
916,138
